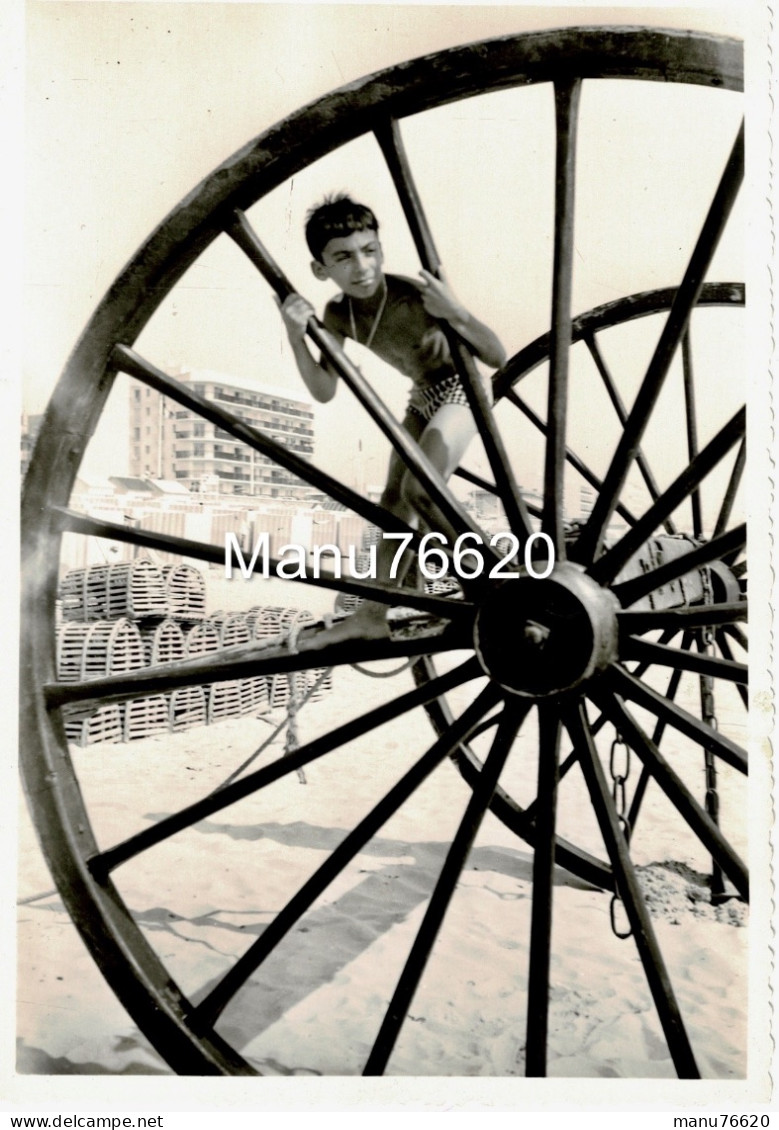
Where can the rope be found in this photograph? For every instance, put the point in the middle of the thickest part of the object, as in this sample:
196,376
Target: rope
292,742
295,702
382,674
291,718
269,740
35,898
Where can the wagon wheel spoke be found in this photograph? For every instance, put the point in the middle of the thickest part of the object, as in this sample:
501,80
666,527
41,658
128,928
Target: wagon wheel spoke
679,719
732,488
691,616
643,780
439,606
691,421
522,821
389,138
128,361
508,725
608,565
628,592
571,457
622,415
724,646
565,766
735,633
571,759
632,897
413,456
212,1005
543,879
134,365
252,782
635,648
567,96
490,488
249,661
477,481
686,297
659,768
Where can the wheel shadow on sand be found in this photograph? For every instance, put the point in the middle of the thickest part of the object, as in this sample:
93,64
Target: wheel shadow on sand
330,936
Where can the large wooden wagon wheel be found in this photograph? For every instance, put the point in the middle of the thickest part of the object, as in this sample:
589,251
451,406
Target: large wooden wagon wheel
574,656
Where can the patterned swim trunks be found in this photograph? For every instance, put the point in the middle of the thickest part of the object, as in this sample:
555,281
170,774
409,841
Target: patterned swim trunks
425,402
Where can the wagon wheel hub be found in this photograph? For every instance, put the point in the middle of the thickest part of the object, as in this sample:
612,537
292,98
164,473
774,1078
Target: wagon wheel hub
538,638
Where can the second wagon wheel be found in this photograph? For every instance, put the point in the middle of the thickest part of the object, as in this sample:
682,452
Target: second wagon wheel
589,334
583,637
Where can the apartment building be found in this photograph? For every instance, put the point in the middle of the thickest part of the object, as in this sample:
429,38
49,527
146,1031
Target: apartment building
171,442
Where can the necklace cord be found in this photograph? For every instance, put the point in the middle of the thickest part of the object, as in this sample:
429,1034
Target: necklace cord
376,319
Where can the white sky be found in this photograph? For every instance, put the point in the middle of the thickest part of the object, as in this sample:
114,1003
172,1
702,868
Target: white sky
130,105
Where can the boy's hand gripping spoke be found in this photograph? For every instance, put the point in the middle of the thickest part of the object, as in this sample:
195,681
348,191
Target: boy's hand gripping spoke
438,299
296,313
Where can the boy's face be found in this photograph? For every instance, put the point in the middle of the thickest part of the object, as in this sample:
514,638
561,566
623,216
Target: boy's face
353,262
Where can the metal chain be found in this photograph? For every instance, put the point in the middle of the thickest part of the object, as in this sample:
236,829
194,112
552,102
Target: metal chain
709,716
707,637
619,771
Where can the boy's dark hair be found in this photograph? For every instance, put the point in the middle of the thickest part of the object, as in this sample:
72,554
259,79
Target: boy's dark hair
336,217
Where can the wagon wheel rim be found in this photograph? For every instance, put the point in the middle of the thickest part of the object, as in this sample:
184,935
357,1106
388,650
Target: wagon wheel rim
184,1033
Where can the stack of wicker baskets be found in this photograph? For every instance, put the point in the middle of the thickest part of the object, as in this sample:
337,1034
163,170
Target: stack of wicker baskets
122,617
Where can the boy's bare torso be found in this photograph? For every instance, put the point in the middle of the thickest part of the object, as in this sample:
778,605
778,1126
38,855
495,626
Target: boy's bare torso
405,336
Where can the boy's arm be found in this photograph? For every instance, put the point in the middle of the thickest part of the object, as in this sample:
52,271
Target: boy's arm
320,381
439,301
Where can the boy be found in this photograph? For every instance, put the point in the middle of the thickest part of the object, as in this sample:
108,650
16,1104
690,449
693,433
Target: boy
396,318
